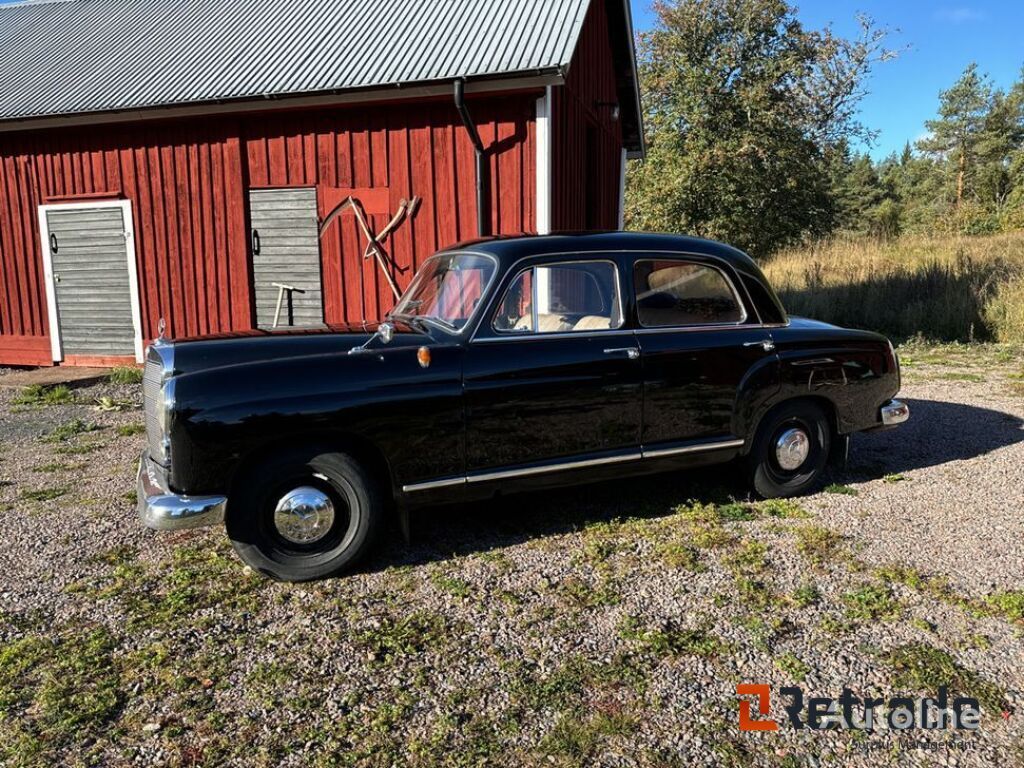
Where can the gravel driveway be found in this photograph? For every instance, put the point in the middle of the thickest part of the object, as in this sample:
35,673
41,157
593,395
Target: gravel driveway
607,625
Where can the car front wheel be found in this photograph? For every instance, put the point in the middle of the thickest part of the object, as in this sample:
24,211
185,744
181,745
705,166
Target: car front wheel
790,452
305,516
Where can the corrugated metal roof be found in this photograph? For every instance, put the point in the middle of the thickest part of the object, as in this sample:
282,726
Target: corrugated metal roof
63,57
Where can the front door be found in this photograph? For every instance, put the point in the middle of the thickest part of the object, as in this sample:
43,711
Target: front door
92,287
701,346
552,378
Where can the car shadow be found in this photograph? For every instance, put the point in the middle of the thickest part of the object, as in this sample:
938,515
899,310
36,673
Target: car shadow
937,433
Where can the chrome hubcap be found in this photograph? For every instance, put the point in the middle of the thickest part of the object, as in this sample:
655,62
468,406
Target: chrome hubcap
792,449
304,516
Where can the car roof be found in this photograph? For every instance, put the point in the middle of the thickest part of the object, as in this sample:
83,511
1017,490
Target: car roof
582,245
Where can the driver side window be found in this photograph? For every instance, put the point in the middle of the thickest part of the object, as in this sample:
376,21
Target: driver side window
562,298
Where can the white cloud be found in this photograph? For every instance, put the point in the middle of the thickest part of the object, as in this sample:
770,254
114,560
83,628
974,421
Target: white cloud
960,15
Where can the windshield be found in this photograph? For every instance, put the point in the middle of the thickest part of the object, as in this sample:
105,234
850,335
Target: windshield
447,289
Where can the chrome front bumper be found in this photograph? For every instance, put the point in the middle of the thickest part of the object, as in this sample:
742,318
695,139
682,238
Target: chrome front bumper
162,510
894,412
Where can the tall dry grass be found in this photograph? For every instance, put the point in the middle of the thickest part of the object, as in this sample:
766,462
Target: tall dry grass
942,288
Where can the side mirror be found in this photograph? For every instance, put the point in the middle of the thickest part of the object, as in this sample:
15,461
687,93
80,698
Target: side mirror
385,332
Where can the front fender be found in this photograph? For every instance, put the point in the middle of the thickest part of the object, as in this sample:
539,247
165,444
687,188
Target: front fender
412,416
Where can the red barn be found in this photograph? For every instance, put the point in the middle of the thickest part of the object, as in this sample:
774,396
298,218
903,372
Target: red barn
200,162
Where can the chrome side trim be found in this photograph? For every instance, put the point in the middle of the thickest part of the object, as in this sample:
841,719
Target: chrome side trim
505,474
658,453
894,412
542,470
429,486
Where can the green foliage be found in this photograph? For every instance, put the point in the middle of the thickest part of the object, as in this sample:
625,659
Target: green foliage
871,602
744,108
70,430
126,374
37,394
672,640
792,666
926,668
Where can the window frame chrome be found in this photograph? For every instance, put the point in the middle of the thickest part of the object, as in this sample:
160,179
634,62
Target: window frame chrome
742,322
535,334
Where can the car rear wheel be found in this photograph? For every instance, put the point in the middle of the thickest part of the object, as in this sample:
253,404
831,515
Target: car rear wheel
790,451
305,516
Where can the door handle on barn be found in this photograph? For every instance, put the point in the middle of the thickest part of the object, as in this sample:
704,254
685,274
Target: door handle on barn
53,243
631,352
255,242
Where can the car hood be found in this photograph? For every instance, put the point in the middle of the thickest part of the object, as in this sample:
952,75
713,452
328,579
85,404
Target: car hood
193,355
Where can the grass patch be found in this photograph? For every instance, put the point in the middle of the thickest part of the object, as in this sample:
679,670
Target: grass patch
453,585
131,430
578,736
805,596
43,494
817,544
1009,605
56,691
792,666
394,637
872,602
69,430
924,668
960,376
896,477
172,593
748,559
125,374
841,490
37,394
677,555
671,640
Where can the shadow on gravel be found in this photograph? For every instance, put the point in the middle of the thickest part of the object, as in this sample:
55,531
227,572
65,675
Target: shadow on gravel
440,533
938,432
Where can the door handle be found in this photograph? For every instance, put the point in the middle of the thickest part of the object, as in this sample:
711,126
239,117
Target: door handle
631,352
767,345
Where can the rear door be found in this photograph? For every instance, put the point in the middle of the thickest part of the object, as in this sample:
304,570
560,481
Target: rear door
702,346
553,378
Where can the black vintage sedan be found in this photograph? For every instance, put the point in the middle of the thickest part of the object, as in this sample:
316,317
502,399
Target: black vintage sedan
509,364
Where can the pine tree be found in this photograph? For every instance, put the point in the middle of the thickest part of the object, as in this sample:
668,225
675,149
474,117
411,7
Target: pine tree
958,131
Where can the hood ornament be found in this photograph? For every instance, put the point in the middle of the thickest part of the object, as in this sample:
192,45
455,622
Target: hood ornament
161,329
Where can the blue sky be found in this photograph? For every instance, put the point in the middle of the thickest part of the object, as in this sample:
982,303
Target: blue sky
943,38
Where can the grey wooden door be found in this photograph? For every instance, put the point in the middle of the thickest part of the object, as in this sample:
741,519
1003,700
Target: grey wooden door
286,251
92,287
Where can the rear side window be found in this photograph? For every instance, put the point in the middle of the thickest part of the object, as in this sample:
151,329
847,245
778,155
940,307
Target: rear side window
562,298
679,293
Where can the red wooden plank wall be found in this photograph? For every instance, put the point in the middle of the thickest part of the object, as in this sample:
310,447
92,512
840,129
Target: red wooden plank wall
586,140
185,182
410,150
188,181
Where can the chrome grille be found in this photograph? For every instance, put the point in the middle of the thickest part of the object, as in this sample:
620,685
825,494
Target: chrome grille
152,378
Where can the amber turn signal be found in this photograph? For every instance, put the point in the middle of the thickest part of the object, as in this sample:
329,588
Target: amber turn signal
423,355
